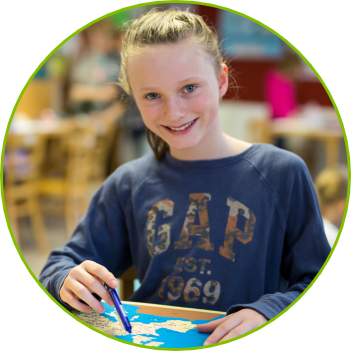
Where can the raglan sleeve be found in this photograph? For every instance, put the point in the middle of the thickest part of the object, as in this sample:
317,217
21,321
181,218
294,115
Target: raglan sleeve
305,245
100,236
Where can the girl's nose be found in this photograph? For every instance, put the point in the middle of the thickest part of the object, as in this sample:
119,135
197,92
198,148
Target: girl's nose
174,109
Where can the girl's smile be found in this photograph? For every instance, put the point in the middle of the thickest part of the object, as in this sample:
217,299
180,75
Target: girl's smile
182,129
177,90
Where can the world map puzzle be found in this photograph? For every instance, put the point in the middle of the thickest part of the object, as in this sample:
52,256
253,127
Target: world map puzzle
148,329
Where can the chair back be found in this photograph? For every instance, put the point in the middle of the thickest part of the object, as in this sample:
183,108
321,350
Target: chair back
22,170
80,146
22,165
105,133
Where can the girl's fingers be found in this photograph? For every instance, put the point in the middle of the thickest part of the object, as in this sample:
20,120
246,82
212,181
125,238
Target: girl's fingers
94,285
88,278
92,275
228,323
234,325
211,326
82,292
241,329
101,272
72,300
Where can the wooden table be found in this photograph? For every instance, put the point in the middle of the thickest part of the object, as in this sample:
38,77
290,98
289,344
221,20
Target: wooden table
177,312
329,133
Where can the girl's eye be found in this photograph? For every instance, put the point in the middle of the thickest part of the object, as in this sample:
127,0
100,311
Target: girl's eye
152,96
189,88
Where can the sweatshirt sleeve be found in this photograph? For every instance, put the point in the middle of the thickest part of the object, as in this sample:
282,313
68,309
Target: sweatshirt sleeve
101,236
305,244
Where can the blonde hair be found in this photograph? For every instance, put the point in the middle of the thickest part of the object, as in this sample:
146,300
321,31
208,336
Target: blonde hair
166,27
331,185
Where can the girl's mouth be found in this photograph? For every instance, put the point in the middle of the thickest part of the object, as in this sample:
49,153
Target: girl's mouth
181,129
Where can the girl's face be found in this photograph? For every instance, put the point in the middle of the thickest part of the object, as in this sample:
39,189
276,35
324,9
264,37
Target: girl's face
177,91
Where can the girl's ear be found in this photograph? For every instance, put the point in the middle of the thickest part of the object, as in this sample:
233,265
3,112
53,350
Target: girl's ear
223,80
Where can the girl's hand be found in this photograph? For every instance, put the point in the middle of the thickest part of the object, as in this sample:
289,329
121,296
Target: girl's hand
84,280
232,325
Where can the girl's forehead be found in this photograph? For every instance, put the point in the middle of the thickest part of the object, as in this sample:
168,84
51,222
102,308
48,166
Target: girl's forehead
165,49
187,53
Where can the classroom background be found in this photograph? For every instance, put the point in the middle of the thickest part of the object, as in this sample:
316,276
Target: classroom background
73,125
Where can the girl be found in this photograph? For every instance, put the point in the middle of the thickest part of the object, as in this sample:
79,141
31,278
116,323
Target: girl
209,221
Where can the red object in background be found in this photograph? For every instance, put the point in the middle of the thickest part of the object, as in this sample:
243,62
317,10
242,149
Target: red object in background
250,74
312,91
210,15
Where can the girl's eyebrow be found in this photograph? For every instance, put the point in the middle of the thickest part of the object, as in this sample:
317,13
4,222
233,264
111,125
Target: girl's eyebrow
180,82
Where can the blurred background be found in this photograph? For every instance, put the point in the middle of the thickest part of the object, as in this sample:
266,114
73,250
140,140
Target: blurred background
74,126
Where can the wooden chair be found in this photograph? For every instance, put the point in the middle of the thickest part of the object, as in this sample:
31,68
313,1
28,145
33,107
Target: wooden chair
105,134
72,187
24,155
126,283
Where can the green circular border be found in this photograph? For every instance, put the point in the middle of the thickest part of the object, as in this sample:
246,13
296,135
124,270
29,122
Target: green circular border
176,2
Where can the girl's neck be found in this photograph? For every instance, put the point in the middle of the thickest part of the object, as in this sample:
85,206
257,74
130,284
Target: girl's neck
215,146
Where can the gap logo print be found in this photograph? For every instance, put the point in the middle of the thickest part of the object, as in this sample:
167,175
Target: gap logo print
175,286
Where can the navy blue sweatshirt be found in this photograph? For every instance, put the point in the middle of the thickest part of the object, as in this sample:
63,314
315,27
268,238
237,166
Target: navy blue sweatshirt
225,234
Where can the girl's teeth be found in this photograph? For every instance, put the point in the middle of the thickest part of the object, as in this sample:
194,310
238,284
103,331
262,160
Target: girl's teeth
182,128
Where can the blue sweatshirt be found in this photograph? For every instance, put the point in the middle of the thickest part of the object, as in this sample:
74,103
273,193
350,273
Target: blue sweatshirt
225,234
